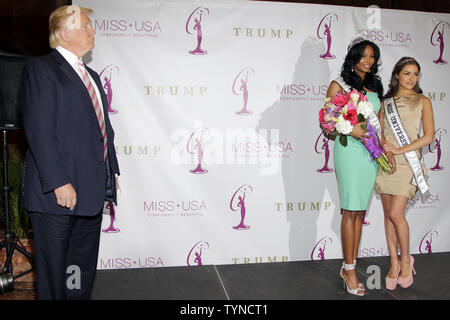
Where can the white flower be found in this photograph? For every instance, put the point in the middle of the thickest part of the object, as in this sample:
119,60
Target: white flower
355,98
328,117
366,109
344,109
343,126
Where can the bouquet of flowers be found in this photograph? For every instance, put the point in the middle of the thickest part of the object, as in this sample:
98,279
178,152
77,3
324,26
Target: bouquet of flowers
340,114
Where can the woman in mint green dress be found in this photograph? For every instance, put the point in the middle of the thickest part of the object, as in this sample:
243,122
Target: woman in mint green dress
355,172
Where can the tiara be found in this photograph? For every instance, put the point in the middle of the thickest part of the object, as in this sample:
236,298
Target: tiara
408,59
355,40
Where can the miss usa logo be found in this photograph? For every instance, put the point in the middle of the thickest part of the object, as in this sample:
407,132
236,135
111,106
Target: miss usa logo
240,87
196,254
112,215
437,37
195,146
318,252
237,203
324,30
106,76
323,142
426,242
194,26
437,147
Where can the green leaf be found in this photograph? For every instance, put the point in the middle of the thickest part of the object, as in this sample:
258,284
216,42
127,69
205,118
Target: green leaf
343,140
361,118
19,218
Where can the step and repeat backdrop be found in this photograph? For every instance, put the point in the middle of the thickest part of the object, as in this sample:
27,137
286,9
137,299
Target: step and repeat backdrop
215,108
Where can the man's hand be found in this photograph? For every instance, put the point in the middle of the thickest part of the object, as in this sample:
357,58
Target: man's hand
66,196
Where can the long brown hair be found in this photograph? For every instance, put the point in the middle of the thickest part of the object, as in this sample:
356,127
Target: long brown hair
394,84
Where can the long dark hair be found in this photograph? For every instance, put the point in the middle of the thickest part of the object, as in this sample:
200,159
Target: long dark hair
394,84
371,81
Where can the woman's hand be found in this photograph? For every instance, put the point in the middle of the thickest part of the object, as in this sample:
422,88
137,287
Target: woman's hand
358,132
389,147
392,162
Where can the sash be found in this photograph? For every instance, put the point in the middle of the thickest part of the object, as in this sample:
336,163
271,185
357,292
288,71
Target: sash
403,140
373,118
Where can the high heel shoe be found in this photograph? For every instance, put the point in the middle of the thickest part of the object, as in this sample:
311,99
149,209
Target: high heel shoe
408,281
360,285
391,283
348,267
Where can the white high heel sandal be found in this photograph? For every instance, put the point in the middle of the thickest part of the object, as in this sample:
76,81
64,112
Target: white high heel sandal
355,291
360,285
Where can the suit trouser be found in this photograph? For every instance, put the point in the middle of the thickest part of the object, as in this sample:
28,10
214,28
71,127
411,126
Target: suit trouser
66,252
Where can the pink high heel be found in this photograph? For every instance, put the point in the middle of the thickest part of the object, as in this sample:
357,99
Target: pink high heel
408,281
391,283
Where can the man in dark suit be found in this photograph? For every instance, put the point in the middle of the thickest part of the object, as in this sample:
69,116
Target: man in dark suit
71,157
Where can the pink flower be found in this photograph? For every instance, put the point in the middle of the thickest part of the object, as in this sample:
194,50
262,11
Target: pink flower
362,97
351,106
321,116
351,116
329,126
338,109
341,99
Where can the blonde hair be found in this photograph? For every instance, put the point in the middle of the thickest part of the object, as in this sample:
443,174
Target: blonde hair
58,20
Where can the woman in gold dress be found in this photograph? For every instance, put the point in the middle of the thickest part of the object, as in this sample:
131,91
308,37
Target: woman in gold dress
397,188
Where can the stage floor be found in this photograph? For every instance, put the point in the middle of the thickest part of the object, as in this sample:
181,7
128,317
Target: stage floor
302,280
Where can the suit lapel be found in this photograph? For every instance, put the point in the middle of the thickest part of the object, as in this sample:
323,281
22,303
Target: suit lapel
79,86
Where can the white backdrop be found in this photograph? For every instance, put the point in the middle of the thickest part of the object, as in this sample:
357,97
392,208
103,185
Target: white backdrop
215,108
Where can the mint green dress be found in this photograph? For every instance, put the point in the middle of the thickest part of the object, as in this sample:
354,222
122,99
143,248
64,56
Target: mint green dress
355,172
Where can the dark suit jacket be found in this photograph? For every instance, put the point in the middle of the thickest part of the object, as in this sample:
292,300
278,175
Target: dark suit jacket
66,144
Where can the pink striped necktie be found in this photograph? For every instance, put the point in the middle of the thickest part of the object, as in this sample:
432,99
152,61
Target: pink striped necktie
96,104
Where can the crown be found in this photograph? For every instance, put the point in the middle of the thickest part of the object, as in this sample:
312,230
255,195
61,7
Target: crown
357,39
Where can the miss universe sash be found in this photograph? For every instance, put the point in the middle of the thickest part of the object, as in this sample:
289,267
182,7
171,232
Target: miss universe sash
403,139
373,119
